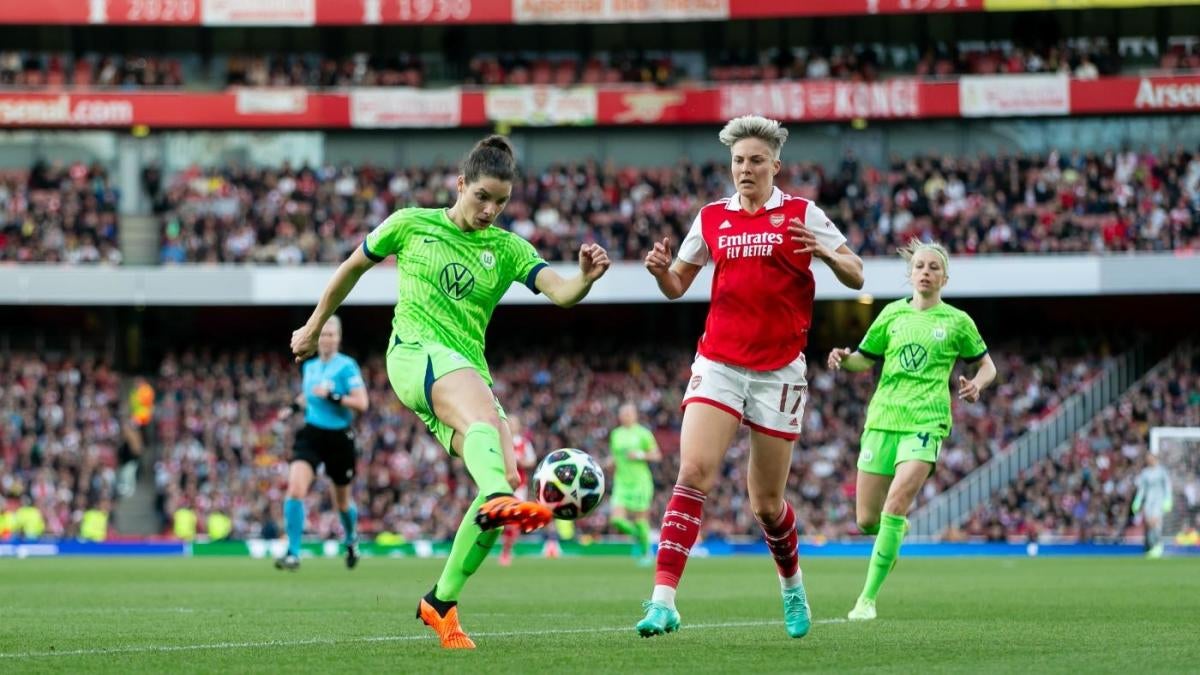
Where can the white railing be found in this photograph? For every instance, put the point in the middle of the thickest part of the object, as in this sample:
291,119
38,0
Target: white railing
956,504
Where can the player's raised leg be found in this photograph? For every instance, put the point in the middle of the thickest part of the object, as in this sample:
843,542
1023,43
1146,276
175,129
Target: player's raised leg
300,477
464,403
706,434
770,463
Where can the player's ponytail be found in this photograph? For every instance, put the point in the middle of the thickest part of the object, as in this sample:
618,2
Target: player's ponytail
492,157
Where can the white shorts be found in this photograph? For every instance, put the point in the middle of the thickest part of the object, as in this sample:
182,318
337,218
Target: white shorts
769,401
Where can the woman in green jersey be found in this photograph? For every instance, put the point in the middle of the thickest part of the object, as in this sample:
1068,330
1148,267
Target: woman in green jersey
454,267
919,339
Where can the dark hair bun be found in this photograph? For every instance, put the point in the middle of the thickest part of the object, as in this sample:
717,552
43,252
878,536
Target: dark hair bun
498,142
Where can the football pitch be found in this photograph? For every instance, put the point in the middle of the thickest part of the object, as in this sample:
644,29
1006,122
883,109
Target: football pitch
577,615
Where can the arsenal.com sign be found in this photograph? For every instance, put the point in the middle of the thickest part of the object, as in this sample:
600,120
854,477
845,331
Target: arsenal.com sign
1167,95
62,110
822,100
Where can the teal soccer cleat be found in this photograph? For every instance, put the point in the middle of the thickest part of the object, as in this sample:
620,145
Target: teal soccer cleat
659,619
797,615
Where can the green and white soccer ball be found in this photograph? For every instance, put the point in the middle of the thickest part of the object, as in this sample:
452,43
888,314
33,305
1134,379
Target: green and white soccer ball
570,483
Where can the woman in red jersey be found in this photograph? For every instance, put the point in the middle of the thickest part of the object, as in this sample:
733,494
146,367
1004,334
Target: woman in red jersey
749,365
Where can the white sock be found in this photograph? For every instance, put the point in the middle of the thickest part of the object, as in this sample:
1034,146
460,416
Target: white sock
663,595
794,581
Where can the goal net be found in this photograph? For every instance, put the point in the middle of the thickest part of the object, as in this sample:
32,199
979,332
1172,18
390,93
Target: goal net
1178,450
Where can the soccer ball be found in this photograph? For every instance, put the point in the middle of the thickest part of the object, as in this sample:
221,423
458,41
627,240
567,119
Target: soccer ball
570,483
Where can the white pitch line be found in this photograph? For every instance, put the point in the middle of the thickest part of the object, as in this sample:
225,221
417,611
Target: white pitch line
160,649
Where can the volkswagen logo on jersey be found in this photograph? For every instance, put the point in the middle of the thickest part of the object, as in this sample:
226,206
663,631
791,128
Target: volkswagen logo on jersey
913,357
456,281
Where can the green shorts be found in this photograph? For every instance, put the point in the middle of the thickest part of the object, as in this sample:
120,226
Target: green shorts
412,369
881,451
633,496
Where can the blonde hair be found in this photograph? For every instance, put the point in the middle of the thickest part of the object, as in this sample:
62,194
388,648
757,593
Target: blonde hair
336,322
753,126
915,246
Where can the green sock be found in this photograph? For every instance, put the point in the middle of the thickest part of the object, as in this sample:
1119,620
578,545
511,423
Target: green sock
874,529
471,546
482,455
624,526
485,459
643,535
885,552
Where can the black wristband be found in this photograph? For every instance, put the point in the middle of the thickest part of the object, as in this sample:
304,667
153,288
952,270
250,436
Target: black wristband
295,407
335,397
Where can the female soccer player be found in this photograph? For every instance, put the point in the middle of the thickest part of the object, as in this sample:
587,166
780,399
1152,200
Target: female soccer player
750,363
919,339
333,392
453,269
633,448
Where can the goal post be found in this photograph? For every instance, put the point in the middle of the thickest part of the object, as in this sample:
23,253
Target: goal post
1178,451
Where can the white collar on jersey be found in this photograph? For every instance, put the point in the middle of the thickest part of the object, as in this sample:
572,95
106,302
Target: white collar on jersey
773,202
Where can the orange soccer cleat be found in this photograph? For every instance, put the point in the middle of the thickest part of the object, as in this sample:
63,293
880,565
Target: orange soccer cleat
508,510
446,626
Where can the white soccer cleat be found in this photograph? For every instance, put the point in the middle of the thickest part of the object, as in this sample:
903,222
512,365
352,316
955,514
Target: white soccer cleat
864,610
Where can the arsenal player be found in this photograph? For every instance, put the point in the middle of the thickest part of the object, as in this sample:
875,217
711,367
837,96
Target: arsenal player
749,367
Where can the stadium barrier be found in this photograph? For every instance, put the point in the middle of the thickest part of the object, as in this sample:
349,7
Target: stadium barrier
713,548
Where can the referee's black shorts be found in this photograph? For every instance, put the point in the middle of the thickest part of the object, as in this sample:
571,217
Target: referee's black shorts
332,447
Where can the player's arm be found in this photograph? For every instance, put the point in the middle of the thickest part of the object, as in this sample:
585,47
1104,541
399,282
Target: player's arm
297,405
969,390
355,397
849,360
651,453
593,263
674,279
1136,507
818,236
304,338
846,266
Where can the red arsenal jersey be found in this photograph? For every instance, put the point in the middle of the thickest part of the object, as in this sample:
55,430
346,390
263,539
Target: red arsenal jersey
762,292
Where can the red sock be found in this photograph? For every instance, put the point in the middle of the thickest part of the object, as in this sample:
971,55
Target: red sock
680,527
782,540
511,532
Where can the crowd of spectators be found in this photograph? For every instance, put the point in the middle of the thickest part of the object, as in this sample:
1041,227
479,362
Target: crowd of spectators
55,70
222,446
1084,59
62,213
1115,200
1085,494
63,440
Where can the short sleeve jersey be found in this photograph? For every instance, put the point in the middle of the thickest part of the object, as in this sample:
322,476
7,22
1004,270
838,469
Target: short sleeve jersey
450,281
918,349
340,375
762,290
623,441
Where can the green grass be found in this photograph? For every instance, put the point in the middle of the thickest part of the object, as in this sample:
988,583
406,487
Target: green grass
944,615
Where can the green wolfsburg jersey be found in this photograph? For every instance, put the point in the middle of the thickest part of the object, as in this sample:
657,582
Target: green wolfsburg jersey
450,281
624,440
918,349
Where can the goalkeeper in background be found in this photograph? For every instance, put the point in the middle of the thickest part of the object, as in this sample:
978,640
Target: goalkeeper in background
1153,501
633,448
